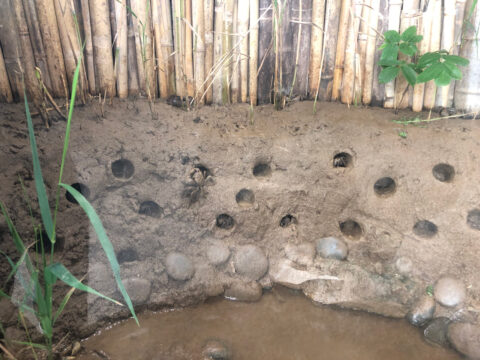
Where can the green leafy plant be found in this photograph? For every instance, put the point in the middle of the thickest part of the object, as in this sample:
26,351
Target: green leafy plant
439,66
38,275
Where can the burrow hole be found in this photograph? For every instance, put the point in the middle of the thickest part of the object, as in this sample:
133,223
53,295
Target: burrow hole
123,169
199,173
47,245
225,221
385,186
352,229
443,172
262,170
127,255
150,208
245,198
82,189
288,220
425,229
342,160
473,219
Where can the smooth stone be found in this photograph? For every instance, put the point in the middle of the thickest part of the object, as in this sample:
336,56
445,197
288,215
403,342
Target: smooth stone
302,254
404,265
251,262
216,350
465,338
422,311
436,331
332,248
138,289
449,291
179,267
218,253
241,291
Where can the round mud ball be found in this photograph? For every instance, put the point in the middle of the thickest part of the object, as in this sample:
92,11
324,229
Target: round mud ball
123,169
245,198
332,248
425,229
250,261
352,229
384,186
443,172
262,170
179,267
216,349
404,265
81,188
473,219
225,222
138,289
465,338
422,311
342,160
218,253
449,291
150,208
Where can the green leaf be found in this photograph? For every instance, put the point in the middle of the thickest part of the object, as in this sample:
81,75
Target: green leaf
428,58
392,36
390,53
430,73
409,34
409,74
388,62
37,174
408,49
443,79
104,241
452,70
388,74
458,60
417,38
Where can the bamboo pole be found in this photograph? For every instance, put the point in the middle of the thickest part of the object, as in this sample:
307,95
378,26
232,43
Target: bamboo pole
361,55
278,19
350,55
340,54
253,52
163,46
133,80
102,46
302,21
189,48
370,50
459,16
448,43
393,24
425,24
217,53
167,45
208,13
234,38
409,17
88,54
51,41
378,90
5,90
266,56
199,66
226,49
179,45
435,40
121,48
318,15
243,18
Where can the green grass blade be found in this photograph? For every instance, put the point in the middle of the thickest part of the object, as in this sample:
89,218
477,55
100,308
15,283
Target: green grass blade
37,174
104,241
28,343
62,273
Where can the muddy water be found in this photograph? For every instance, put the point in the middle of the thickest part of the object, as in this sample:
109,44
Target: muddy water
282,326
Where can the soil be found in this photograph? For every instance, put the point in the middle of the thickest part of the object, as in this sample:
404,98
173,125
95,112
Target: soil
171,181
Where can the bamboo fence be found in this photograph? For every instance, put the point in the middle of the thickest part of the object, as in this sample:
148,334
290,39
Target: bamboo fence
220,51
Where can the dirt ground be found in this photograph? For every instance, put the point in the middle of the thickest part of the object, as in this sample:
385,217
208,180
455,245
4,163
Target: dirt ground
179,170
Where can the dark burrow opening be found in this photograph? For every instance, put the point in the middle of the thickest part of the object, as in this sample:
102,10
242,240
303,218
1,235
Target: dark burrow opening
473,219
425,229
82,189
47,244
351,229
127,255
385,186
123,169
200,173
443,172
225,221
245,198
150,208
342,160
288,220
262,169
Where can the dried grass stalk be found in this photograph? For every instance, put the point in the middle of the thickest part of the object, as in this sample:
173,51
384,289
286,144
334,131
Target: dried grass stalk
199,67
121,48
393,24
316,47
253,51
5,91
435,40
243,17
340,53
88,51
370,50
208,13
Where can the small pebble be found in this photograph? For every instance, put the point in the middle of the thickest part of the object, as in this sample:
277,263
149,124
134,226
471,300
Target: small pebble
422,311
218,253
216,350
436,331
332,248
404,265
179,267
465,338
449,291
251,262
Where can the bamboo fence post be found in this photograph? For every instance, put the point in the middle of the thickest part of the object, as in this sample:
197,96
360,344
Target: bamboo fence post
234,38
167,45
340,54
278,18
217,52
409,17
208,12
189,48
51,41
425,24
226,49
393,24
370,50
363,38
435,40
121,48
316,44
140,52
448,43
133,80
350,55
304,19
5,91
378,90
161,27
243,17
266,56
253,51
88,52
179,45
199,66
102,46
